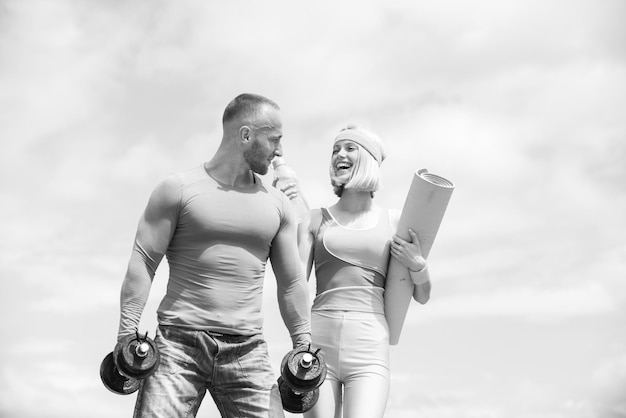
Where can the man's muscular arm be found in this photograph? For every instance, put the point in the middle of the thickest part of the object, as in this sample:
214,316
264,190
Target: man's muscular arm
154,232
292,287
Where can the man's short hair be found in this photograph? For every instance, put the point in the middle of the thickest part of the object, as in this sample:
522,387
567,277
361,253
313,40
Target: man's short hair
246,104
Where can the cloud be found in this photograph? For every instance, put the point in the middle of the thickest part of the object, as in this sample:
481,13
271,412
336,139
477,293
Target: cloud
519,105
521,301
609,380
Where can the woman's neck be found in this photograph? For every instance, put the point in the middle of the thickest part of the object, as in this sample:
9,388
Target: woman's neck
355,201
355,210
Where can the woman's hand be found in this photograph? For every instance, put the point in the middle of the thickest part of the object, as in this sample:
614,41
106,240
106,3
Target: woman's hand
291,190
409,253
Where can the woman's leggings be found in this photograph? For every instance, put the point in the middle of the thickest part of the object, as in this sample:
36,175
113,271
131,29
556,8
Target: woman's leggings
355,346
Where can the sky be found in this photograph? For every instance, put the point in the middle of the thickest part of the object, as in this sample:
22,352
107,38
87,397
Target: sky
520,104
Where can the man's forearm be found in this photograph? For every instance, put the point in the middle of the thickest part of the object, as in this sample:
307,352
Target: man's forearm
296,310
134,295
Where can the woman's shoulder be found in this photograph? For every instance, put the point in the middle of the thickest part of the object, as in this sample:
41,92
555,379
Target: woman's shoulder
394,217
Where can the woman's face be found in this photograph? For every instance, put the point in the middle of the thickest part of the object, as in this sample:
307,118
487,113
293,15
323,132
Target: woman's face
344,158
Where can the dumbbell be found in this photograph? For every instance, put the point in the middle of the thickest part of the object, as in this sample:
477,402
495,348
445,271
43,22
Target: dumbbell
134,358
302,371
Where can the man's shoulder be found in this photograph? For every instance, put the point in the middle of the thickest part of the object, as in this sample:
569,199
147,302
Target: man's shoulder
174,183
191,174
184,178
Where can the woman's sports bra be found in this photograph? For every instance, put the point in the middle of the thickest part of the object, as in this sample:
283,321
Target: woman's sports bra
351,257
351,265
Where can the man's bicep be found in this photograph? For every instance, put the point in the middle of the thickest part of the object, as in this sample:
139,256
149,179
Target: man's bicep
306,240
158,221
284,253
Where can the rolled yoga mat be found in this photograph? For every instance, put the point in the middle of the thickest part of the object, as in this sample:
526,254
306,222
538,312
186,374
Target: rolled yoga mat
423,211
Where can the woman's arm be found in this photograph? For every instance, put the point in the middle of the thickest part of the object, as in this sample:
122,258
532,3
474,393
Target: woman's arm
409,253
421,284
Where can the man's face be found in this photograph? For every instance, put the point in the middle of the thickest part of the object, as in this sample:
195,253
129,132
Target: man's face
264,141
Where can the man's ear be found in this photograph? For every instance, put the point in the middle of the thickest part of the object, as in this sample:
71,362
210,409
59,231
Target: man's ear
245,134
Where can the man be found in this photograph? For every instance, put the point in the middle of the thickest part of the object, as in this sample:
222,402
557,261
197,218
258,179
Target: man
218,225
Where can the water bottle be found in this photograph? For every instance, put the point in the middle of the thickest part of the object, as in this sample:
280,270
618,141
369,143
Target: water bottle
283,176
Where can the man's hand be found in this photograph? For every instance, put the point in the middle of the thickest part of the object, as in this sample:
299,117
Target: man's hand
301,340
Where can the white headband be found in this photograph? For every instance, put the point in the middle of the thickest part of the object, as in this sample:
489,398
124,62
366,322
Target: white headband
364,138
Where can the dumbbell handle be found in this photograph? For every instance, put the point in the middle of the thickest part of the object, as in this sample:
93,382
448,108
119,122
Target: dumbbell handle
306,361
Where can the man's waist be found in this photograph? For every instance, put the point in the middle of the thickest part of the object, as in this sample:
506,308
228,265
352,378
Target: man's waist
218,324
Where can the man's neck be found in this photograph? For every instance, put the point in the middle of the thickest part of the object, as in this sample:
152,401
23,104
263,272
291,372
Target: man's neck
228,172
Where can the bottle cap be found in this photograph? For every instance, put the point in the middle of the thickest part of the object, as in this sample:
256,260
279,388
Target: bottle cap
277,161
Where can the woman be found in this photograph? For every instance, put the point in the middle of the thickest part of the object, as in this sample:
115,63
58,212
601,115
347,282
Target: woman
349,244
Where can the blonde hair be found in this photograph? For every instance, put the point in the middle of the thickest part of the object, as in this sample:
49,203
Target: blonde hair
366,171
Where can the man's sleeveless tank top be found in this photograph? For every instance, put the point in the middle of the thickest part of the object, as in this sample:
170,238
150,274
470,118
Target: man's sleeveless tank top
351,264
218,254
